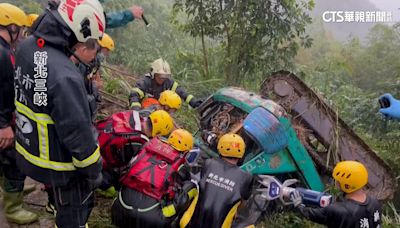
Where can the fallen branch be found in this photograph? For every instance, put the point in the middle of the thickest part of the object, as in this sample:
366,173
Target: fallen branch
113,99
127,74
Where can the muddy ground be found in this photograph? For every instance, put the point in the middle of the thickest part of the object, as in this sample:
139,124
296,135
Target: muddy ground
36,202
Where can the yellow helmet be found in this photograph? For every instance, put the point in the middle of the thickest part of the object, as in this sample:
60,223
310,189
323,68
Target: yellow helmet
231,145
160,66
107,42
170,99
162,123
351,175
181,140
32,18
10,14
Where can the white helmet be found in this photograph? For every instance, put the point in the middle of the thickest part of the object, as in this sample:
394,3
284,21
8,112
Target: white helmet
160,66
84,17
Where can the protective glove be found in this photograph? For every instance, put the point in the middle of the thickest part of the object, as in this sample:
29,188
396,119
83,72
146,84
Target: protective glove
296,198
390,107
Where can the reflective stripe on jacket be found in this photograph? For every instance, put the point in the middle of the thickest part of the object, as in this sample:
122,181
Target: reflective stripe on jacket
54,136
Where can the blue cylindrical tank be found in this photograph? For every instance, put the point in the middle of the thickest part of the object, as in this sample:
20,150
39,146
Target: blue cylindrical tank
266,130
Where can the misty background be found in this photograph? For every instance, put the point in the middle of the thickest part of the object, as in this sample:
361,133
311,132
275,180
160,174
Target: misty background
342,31
349,64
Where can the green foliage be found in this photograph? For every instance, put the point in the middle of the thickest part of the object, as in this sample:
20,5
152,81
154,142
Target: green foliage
287,220
138,47
254,34
376,65
339,73
352,76
210,44
27,5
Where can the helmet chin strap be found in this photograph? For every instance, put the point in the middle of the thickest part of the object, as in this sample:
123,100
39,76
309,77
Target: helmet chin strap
72,52
151,73
10,33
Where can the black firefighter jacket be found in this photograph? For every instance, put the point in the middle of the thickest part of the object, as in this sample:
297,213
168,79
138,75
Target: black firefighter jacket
222,188
346,214
54,136
6,84
147,87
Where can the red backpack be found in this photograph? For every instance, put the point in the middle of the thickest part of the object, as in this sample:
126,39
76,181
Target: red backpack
153,171
120,138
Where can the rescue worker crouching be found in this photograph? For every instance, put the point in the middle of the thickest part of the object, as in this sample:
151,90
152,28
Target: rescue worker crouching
168,101
157,188
12,23
357,210
56,144
223,185
121,137
157,81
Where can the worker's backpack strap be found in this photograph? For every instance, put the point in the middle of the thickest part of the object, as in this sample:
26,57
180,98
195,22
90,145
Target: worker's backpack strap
120,138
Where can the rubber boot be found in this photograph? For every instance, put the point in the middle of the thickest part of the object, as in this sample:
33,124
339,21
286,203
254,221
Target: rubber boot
51,209
108,193
14,211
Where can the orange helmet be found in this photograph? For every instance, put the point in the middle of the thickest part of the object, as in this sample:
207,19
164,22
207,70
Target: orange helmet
147,102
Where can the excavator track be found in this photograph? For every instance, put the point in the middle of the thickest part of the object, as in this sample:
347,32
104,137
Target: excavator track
327,138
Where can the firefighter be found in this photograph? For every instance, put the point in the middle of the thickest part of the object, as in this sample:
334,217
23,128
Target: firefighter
357,210
150,103
168,101
32,18
155,195
12,22
84,53
106,46
56,143
158,80
119,145
223,185
390,106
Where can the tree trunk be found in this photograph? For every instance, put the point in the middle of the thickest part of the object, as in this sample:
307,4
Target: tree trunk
205,56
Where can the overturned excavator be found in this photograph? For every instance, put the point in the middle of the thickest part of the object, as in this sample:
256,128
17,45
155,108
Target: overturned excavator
290,132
